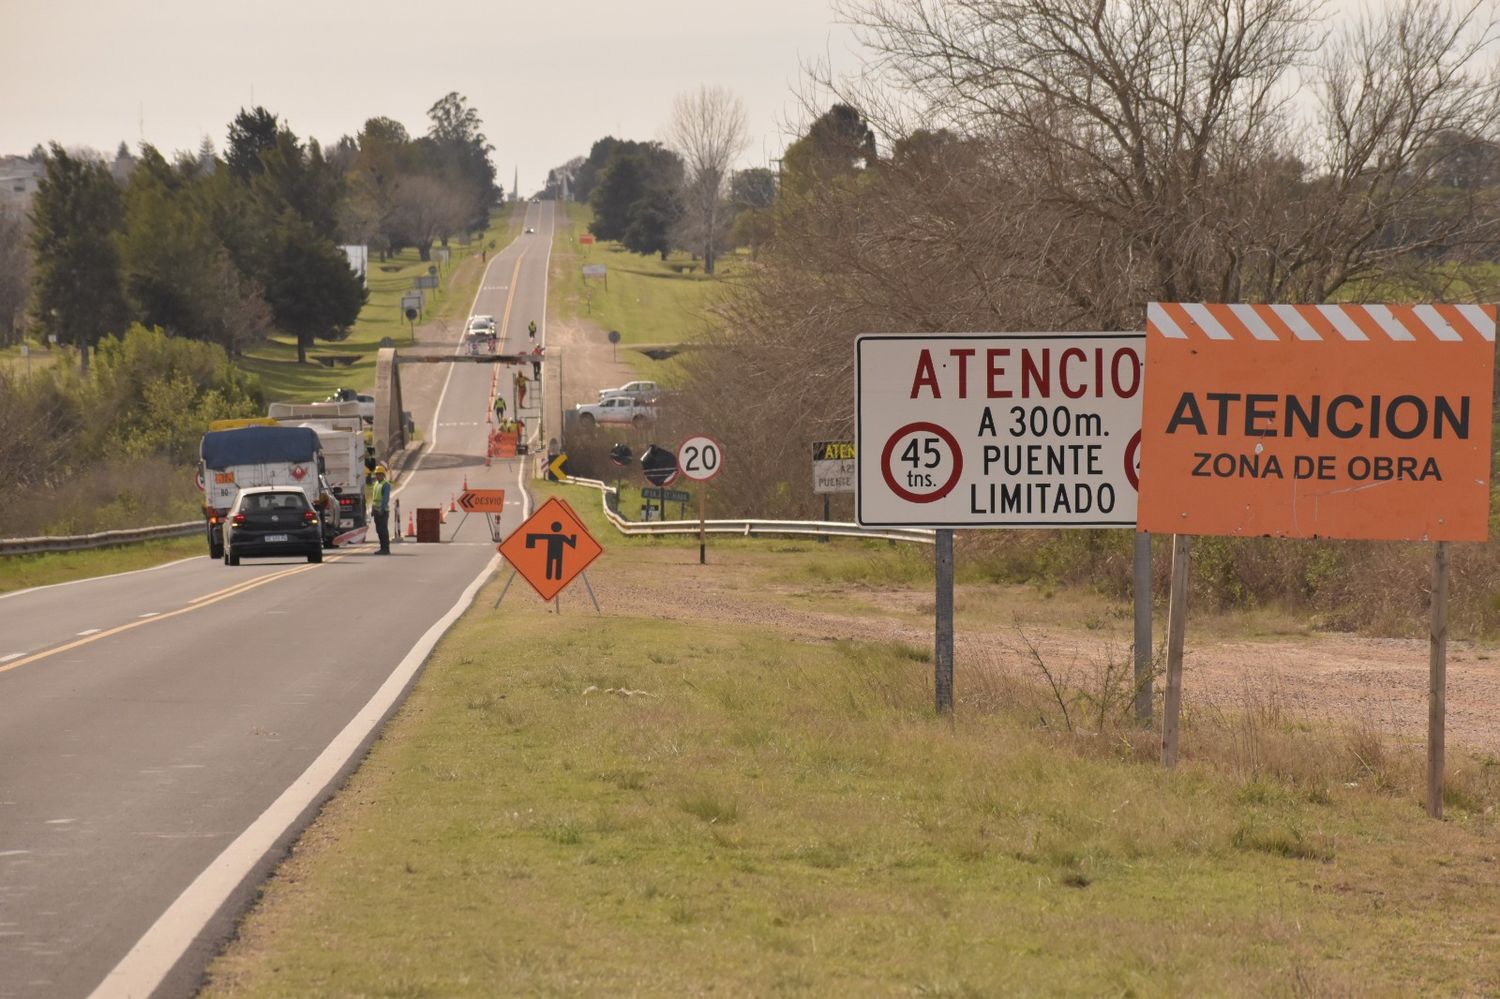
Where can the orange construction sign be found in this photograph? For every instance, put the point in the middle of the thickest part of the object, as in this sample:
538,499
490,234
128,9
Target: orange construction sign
1306,421
551,548
482,501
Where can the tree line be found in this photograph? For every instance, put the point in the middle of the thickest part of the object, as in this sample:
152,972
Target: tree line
684,194
227,249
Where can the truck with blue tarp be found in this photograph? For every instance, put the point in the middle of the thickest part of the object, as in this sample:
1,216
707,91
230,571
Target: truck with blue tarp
238,457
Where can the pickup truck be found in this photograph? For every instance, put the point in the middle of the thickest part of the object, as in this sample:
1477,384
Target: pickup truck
616,410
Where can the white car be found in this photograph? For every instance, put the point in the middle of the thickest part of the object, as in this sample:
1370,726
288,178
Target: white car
631,390
530,231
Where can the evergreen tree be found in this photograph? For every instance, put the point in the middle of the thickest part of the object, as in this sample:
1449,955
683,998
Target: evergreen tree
77,216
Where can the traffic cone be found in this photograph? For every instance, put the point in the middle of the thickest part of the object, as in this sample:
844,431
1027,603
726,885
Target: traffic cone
442,515
411,525
452,506
466,481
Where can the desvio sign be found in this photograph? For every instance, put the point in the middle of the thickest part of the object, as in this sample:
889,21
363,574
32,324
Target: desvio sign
1333,421
997,430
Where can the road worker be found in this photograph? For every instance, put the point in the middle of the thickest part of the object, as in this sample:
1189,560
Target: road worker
380,510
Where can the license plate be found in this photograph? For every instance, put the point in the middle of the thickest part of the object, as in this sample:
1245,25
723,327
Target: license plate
275,537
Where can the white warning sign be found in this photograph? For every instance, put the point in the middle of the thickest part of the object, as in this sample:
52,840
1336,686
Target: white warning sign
998,430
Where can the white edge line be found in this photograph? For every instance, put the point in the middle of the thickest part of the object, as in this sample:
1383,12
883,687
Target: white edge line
145,966
95,579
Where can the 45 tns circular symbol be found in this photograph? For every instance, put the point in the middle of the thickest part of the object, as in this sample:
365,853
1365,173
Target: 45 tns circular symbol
921,462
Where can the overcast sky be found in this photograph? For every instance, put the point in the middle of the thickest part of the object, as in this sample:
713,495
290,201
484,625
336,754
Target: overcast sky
547,77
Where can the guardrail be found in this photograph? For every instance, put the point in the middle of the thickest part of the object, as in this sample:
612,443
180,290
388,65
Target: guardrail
101,539
747,528
750,527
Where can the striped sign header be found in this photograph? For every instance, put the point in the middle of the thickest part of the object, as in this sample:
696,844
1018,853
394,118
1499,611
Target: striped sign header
1402,323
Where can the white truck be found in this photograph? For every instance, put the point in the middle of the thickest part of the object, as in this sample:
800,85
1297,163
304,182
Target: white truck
233,457
342,435
616,410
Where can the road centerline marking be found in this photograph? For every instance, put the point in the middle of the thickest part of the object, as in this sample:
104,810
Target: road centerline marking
197,603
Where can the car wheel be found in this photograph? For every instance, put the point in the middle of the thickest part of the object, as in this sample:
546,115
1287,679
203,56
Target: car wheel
638,421
230,557
315,556
588,421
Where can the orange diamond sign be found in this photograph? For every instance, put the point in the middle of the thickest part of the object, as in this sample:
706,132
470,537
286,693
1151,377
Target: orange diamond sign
551,548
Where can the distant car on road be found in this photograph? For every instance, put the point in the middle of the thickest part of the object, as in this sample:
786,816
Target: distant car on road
643,391
272,521
530,231
365,400
617,410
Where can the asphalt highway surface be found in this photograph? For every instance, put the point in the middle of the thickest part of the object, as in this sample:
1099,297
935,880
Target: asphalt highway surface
165,734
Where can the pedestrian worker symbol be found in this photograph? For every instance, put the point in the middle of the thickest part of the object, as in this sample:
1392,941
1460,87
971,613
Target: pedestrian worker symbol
554,540
551,548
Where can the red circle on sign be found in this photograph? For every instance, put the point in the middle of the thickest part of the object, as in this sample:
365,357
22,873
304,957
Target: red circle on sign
1132,458
943,490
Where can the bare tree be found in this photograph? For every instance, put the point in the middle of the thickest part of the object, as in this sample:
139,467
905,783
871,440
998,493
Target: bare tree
1166,133
426,208
708,131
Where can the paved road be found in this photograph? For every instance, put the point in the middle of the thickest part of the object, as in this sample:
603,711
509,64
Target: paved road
164,734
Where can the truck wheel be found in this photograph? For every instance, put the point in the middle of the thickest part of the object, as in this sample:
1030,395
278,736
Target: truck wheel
638,420
315,556
588,421
215,550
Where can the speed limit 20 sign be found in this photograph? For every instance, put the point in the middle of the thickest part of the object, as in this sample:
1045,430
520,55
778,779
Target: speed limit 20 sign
998,430
700,458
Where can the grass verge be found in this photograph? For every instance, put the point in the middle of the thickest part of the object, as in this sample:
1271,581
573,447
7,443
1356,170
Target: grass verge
648,300
19,572
630,805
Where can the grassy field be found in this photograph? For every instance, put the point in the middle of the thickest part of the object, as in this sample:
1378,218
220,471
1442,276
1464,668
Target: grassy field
19,572
275,363
649,301
572,804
